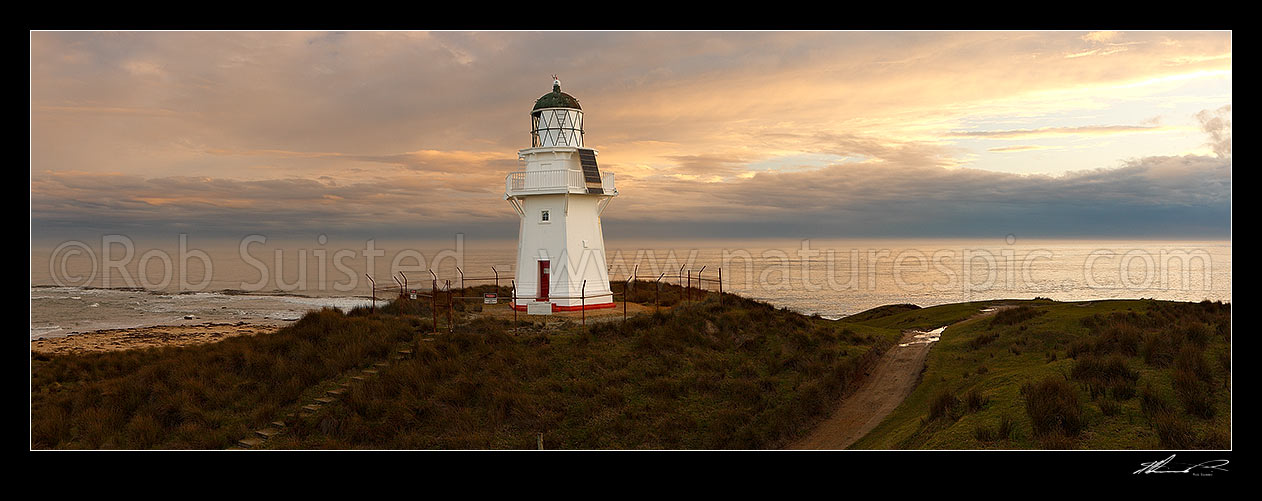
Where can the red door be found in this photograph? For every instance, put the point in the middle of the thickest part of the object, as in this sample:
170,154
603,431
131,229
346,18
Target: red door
544,271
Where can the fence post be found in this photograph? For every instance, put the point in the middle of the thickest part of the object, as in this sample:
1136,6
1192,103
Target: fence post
701,285
373,308
405,279
657,297
497,279
688,289
720,285
624,300
451,325
461,272
433,299
582,293
513,302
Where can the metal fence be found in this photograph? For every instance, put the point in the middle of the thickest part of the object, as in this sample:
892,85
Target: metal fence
443,296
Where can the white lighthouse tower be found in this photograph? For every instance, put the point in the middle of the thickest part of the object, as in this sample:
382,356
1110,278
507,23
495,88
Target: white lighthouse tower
560,196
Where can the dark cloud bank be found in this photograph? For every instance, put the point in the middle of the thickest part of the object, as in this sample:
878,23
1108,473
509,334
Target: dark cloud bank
1158,197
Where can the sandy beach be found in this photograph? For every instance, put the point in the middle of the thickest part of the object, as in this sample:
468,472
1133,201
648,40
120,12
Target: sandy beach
147,337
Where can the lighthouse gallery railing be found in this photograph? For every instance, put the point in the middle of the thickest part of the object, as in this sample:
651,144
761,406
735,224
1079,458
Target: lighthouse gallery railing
558,180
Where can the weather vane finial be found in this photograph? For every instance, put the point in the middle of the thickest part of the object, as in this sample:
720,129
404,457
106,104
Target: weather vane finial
556,82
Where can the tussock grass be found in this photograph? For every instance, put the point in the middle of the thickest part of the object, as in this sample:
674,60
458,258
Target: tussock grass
944,405
703,374
741,374
1015,316
974,400
1100,375
205,396
1053,407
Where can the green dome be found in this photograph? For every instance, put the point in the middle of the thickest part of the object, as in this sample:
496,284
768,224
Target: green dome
556,99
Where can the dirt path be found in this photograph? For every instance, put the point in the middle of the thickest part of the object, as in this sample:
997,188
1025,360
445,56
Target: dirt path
887,385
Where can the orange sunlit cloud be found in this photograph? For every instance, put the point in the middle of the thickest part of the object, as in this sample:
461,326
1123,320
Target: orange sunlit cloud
394,124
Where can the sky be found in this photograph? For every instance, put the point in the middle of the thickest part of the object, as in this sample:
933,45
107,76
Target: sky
709,134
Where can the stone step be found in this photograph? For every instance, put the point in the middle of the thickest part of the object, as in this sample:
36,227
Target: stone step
405,352
311,407
266,432
382,364
370,371
250,442
336,391
359,378
324,400
278,424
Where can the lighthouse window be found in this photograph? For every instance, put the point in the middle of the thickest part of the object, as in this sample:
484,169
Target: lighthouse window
543,216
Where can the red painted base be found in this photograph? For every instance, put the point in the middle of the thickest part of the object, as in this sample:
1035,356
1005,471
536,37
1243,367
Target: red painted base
557,307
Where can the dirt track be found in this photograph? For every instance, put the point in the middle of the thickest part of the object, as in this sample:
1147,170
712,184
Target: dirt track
892,380
886,386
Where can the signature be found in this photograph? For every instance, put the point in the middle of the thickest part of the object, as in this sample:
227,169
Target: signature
1158,467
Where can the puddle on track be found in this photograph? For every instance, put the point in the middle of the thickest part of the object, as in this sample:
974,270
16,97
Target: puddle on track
925,337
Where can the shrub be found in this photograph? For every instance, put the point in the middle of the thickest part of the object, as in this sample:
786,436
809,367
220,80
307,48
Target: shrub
1056,440
1109,407
985,434
1006,427
1123,390
1079,347
1013,316
944,404
1159,349
1053,407
1098,374
1192,359
1174,431
982,340
1216,439
1152,403
1195,394
975,400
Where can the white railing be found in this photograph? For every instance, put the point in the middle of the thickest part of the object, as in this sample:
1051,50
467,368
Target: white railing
528,182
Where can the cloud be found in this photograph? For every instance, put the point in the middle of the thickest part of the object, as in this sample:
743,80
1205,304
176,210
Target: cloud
864,198
1218,125
1088,130
399,129
1101,36
1184,194
1024,147
707,166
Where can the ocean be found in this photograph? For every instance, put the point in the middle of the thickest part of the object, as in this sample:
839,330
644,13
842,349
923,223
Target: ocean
116,282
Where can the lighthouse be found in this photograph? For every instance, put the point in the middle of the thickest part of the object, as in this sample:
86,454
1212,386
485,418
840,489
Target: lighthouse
559,197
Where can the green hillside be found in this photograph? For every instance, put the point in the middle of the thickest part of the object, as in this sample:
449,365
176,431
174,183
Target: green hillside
1089,375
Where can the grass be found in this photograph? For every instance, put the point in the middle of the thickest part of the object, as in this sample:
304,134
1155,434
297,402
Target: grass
704,375
201,397
1139,374
701,374
708,374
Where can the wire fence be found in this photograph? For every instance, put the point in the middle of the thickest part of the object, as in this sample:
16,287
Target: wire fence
444,297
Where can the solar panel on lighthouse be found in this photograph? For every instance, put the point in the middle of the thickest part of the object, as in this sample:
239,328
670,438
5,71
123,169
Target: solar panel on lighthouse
591,173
